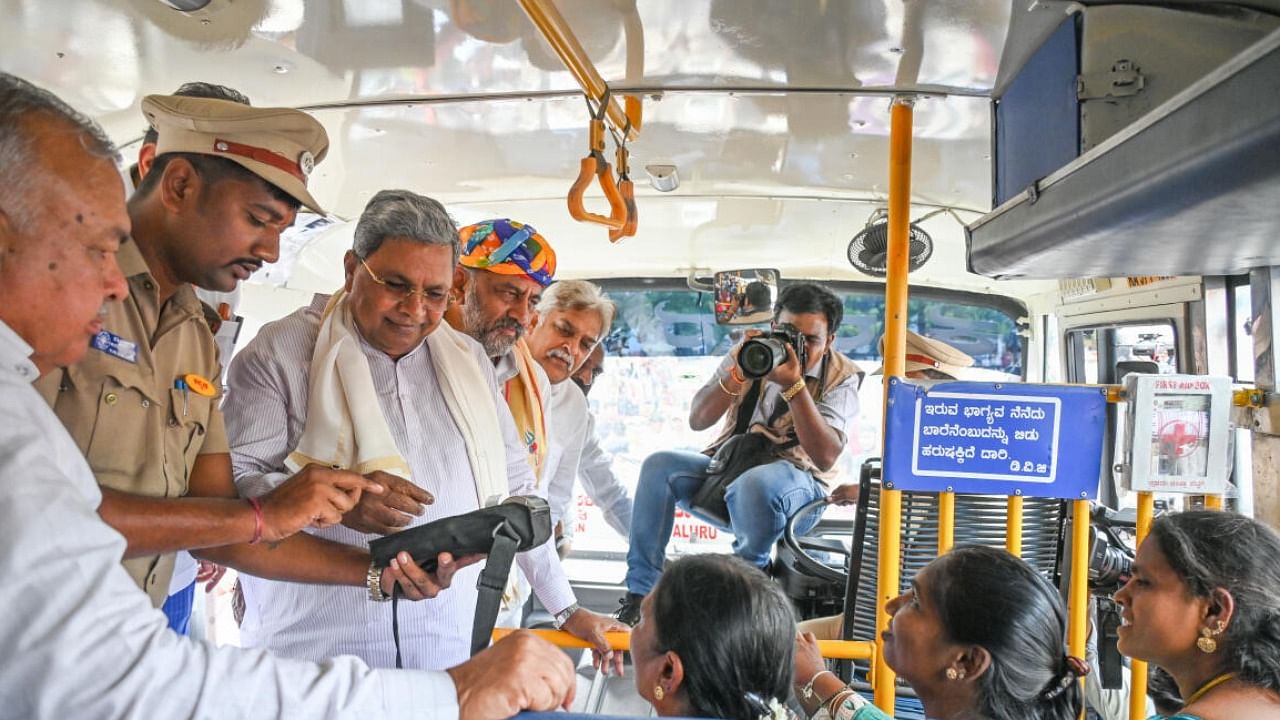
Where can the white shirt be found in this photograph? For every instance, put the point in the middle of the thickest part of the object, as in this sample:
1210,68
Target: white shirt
79,639
595,471
838,406
266,409
566,412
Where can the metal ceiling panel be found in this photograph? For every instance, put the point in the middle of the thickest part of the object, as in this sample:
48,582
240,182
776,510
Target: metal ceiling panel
1192,188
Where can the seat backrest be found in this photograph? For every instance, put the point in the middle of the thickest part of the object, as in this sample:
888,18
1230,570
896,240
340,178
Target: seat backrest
979,520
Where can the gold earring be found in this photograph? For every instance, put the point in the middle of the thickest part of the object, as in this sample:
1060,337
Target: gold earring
953,674
658,692
1205,642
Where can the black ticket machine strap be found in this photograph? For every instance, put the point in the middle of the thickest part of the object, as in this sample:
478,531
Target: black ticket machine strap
518,524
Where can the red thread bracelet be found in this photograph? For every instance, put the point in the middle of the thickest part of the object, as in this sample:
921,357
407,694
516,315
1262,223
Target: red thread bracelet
257,520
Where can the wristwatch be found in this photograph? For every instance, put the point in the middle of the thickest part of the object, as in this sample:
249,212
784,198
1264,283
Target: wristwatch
374,579
563,616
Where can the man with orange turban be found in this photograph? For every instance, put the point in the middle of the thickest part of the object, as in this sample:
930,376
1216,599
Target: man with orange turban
504,267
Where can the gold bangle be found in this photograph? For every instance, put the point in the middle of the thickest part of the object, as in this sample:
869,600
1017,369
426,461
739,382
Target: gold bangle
726,390
793,390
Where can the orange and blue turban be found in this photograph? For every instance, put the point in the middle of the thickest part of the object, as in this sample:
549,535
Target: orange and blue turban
508,247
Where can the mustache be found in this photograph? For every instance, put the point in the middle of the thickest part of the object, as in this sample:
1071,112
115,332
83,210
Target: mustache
253,263
561,355
507,324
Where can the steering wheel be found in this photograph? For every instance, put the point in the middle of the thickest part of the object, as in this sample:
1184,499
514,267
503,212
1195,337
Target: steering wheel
801,546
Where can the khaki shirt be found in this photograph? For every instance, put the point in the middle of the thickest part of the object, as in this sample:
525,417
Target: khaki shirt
139,433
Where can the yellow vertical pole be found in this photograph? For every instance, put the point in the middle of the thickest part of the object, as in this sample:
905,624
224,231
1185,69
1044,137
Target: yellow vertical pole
1138,668
895,352
1013,526
946,521
1078,606
1212,502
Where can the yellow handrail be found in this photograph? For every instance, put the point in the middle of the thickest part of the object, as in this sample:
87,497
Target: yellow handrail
1013,526
830,649
946,521
1078,603
547,19
1138,668
895,351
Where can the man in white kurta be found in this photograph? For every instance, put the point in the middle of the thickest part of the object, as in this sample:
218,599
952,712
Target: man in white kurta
78,638
266,410
399,276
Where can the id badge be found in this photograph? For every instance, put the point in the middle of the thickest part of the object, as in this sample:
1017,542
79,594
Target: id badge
115,346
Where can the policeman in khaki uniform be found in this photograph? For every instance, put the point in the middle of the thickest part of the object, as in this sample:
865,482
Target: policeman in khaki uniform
143,405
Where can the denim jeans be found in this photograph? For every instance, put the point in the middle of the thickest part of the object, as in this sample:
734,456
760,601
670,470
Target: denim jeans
760,501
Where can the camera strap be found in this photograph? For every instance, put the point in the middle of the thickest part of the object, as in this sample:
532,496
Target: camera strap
747,409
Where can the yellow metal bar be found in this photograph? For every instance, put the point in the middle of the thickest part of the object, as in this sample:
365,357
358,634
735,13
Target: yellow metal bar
560,638
1013,526
1078,605
946,521
830,649
1212,502
551,24
1138,668
895,351
1241,397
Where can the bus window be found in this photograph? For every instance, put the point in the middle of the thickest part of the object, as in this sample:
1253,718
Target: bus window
1104,354
665,343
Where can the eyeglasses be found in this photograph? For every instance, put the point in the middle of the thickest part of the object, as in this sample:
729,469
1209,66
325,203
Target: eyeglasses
435,300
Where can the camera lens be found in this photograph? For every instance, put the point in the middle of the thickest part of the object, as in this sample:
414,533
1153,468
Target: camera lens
759,356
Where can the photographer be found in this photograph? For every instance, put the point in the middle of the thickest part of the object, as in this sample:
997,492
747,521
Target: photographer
801,397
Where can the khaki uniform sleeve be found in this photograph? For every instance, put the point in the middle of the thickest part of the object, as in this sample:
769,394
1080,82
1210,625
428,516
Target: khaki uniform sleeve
215,440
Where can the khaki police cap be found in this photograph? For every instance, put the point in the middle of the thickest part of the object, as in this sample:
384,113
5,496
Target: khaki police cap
928,354
279,145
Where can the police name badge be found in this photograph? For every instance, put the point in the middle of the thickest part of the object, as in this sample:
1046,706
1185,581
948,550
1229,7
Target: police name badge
115,346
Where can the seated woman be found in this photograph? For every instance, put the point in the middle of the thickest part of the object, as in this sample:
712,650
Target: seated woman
715,639
980,634
1204,604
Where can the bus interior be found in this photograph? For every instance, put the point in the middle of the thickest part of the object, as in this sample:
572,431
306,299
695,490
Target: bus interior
1094,188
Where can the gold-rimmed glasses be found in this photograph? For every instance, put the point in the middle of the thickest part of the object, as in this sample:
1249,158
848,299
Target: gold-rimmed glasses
436,300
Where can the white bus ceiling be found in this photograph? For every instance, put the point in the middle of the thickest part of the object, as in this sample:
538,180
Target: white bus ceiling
411,99
774,113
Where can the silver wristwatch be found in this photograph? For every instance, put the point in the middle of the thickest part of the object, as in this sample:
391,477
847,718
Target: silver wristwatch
374,579
563,616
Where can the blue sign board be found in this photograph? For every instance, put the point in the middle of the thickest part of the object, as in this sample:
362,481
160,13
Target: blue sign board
995,438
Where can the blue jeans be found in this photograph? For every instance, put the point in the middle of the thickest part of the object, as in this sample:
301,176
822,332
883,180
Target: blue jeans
760,501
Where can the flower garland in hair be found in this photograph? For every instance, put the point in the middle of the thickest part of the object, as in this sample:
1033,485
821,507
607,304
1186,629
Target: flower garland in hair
1074,670
770,709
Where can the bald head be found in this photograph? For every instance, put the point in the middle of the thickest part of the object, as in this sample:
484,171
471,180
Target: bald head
62,219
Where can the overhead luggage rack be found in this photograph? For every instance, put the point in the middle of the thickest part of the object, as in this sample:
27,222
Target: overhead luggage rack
1192,188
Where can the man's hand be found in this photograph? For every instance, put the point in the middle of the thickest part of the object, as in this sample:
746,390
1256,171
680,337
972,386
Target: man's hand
210,574
731,358
418,584
846,494
519,672
586,625
391,511
316,496
789,372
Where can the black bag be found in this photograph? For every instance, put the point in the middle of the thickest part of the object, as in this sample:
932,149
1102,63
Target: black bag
741,452
518,524
737,455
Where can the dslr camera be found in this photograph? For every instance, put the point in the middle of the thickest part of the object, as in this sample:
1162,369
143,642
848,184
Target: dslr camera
761,354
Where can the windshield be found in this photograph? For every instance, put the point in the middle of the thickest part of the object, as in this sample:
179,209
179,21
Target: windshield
664,345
